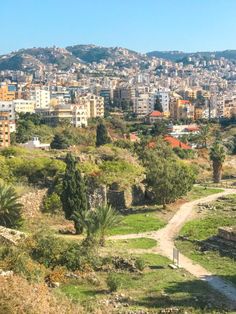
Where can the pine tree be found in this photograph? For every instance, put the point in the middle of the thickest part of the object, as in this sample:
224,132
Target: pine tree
102,137
73,197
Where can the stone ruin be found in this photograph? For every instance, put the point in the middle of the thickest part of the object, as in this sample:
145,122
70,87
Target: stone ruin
118,198
227,233
11,236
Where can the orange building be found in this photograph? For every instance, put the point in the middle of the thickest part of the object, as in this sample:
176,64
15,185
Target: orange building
5,94
181,109
4,129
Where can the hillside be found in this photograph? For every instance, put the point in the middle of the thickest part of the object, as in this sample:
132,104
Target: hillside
34,58
179,55
92,53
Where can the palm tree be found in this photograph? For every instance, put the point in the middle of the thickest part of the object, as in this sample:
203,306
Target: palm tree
10,207
106,218
217,156
203,135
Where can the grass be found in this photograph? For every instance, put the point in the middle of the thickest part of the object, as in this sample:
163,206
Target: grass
140,243
206,227
158,287
138,223
200,191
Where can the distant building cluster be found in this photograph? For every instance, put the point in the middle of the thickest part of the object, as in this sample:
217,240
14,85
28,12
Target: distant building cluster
147,88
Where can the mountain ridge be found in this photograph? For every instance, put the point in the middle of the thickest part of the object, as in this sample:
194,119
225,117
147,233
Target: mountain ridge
29,59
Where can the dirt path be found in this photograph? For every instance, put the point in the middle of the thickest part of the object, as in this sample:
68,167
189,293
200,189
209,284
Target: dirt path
165,238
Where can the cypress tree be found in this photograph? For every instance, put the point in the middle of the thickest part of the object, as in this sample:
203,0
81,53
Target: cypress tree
157,105
102,137
73,197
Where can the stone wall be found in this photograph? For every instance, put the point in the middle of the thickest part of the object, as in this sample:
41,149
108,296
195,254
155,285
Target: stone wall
32,202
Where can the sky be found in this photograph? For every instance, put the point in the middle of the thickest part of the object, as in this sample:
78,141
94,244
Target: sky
140,25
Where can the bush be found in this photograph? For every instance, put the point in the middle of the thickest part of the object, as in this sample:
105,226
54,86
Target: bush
140,264
113,282
184,153
52,252
72,257
47,249
52,203
21,263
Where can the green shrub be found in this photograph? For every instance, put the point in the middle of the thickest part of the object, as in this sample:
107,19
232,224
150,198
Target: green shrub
47,249
113,282
184,153
72,258
140,264
52,203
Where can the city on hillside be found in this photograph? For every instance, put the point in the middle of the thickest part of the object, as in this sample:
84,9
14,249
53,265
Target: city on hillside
118,157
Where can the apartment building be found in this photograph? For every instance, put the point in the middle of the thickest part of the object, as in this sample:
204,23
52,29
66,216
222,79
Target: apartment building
122,94
6,93
4,129
164,97
107,94
23,106
94,105
181,109
7,106
41,97
74,114
141,105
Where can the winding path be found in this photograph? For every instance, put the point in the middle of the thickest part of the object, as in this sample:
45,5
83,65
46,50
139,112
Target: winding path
166,236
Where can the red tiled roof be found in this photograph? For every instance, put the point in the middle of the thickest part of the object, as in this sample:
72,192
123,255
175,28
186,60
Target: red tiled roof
174,142
192,128
133,137
183,102
156,113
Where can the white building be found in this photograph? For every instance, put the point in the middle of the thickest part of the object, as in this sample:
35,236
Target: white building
22,105
141,105
164,98
41,97
36,144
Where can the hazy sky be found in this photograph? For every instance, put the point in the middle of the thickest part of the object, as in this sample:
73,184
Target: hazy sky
141,25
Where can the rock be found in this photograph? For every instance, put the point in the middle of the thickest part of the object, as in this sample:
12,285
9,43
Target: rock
11,236
7,273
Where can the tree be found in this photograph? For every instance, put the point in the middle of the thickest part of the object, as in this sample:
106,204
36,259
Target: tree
99,221
73,196
169,179
106,217
102,137
203,135
217,156
234,145
10,207
59,142
72,97
158,105
159,128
